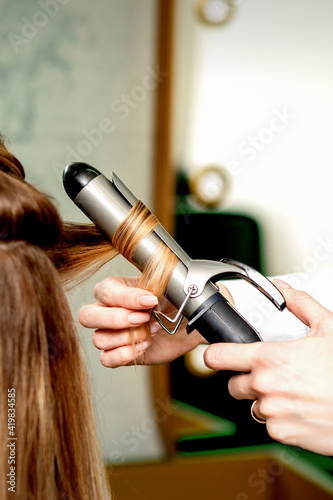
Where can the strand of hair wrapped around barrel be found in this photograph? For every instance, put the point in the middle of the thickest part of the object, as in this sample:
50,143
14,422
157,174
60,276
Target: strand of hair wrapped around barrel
138,224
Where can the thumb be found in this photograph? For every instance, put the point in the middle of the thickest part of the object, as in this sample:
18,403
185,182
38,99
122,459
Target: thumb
303,306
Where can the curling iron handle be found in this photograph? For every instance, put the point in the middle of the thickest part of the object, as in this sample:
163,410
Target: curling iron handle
217,321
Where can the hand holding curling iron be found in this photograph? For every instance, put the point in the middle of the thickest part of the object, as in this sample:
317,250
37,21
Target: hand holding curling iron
292,381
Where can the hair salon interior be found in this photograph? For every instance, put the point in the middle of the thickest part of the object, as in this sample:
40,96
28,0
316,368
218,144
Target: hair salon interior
217,114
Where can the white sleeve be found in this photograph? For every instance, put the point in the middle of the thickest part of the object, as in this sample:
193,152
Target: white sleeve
263,315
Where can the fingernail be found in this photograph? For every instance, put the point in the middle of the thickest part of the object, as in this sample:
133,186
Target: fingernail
148,301
281,283
154,328
138,318
143,345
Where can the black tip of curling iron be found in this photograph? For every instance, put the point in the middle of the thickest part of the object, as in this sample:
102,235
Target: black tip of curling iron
76,176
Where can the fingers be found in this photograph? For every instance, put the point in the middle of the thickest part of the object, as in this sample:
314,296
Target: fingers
121,349
106,340
303,306
240,387
118,305
256,362
123,356
237,357
116,293
116,318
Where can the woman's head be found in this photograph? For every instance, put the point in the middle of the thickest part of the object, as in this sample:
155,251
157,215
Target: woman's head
56,452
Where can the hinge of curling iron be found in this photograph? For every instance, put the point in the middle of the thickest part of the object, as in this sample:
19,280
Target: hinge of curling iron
192,289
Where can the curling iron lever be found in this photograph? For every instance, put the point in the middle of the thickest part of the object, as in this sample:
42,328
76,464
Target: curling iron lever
192,286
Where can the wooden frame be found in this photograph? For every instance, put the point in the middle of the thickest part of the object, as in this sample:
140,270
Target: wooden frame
164,184
164,176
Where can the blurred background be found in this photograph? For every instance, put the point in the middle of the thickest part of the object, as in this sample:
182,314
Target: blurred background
216,107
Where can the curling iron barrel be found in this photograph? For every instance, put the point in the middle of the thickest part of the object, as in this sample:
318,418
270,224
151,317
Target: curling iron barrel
192,287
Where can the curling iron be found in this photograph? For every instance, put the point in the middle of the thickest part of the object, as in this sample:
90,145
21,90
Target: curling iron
192,288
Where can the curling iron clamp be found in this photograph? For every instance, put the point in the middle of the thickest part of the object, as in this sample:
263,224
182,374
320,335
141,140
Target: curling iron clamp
192,288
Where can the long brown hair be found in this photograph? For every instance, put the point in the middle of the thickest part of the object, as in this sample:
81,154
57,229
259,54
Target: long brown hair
48,441
55,443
